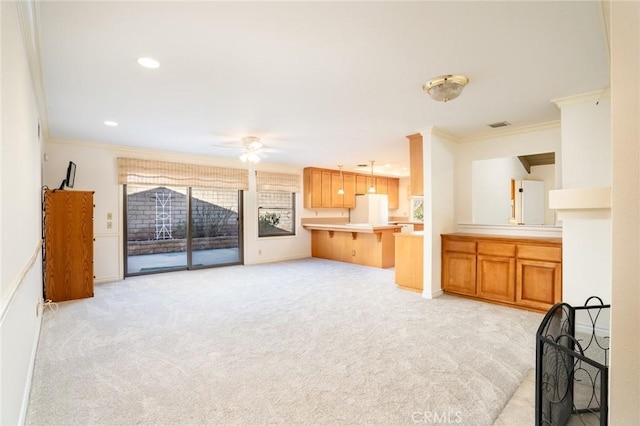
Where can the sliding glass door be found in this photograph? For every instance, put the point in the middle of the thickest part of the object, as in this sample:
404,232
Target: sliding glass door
215,230
171,228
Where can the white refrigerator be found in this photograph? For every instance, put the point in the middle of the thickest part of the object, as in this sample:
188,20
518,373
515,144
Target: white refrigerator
529,202
372,209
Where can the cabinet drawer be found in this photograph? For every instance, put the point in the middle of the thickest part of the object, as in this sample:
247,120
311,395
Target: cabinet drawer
550,254
496,249
460,246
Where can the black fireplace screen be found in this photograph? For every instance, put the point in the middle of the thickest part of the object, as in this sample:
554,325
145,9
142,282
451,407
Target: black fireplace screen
572,364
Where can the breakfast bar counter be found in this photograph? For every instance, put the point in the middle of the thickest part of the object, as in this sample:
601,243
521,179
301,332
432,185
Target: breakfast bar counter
364,244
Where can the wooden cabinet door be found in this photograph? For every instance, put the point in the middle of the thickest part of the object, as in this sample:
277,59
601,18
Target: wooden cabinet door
313,199
496,278
381,185
538,283
337,200
361,184
393,189
326,188
68,245
349,190
459,273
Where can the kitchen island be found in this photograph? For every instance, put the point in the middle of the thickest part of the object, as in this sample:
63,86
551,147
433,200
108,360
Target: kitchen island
364,244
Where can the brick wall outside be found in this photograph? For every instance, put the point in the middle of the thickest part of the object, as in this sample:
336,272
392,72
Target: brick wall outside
278,203
214,220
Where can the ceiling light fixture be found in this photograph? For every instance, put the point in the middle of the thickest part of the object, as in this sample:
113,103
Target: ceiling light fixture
341,190
445,87
111,123
372,189
253,145
148,63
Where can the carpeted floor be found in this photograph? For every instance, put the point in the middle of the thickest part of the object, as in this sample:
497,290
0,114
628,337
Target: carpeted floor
298,342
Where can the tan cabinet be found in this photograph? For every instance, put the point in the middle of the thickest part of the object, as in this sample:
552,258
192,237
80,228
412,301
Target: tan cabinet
393,193
68,245
415,164
496,272
539,276
409,268
459,267
524,272
321,188
349,190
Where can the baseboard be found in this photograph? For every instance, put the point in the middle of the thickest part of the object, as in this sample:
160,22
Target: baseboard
32,363
277,259
433,295
106,279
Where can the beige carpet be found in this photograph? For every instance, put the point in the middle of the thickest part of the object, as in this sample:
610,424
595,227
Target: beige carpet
298,342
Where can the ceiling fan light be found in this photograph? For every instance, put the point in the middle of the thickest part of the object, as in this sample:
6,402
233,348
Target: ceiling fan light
445,87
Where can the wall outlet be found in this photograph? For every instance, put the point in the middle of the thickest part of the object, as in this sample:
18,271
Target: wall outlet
109,216
109,225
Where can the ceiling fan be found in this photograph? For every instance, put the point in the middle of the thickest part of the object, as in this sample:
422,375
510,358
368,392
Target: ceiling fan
251,148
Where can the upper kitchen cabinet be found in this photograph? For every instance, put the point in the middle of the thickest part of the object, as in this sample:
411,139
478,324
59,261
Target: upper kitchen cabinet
393,191
346,181
321,188
415,164
317,188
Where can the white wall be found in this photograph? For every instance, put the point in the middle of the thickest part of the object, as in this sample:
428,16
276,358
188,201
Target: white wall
20,222
624,384
545,138
439,167
491,189
97,171
546,174
586,162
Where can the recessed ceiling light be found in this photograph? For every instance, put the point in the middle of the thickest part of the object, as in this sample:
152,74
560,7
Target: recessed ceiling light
149,63
111,123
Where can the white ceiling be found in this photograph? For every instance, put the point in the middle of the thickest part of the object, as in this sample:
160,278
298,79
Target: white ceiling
320,83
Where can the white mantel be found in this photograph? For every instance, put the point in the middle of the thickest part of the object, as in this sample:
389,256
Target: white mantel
581,203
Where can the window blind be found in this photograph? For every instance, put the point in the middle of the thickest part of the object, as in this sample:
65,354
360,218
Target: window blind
282,182
152,172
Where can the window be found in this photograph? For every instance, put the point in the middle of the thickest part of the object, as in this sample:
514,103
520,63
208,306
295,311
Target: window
417,209
276,213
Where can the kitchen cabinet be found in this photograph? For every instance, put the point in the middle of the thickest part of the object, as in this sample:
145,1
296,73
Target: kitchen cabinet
539,276
393,191
517,271
415,164
68,245
496,273
409,268
381,185
459,267
321,188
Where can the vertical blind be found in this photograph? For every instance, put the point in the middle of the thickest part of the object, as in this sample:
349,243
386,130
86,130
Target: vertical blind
152,172
280,182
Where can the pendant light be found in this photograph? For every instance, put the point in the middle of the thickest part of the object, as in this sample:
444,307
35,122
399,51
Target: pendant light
341,190
372,188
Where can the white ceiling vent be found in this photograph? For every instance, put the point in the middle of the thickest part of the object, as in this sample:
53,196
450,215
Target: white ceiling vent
499,124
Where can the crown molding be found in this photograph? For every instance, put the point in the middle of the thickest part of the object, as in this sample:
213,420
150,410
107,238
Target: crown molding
172,156
433,130
581,98
513,131
29,17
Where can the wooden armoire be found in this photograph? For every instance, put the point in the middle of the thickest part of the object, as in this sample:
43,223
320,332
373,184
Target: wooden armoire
68,245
